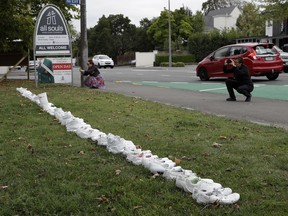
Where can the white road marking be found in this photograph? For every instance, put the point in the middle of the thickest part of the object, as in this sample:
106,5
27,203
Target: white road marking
212,89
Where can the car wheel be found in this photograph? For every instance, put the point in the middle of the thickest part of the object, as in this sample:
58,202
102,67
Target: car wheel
203,74
99,66
111,67
272,76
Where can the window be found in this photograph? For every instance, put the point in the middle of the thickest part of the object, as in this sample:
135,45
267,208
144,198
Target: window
221,53
236,51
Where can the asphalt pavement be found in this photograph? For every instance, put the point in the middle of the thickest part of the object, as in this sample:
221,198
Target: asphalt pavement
262,111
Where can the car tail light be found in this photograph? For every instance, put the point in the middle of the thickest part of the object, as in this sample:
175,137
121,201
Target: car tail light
252,55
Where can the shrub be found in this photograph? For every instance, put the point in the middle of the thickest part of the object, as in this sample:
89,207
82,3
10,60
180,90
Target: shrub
174,64
184,58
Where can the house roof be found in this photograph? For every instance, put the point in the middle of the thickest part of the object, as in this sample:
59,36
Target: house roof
208,19
222,11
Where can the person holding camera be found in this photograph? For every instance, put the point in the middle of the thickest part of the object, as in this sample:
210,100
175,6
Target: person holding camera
241,81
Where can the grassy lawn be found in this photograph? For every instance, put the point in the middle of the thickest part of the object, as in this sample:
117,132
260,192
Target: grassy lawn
46,170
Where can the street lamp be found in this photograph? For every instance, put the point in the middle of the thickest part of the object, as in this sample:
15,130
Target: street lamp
169,37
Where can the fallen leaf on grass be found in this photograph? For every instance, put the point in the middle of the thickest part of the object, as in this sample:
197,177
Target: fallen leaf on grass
3,186
155,175
137,207
222,137
117,172
81,152
186,158
102,199
216,145
177,161
29,146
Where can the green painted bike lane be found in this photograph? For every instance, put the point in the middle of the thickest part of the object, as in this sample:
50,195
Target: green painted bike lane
279,92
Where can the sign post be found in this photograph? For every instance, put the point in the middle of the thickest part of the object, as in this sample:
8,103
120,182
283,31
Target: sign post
52,39
72,1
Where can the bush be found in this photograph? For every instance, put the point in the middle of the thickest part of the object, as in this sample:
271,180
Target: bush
183,58
174,64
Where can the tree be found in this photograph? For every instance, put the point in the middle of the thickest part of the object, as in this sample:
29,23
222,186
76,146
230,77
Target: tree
18,19
211,5
251,22
274,9
183,24
113,35
142,43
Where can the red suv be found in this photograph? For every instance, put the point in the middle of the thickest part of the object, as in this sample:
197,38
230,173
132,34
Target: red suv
261,59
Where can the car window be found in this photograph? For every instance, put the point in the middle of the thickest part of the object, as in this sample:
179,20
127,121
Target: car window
221,52
103,57
236,51
263,50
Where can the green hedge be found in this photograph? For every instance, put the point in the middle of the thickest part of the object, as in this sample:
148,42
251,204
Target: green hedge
184,58
174,64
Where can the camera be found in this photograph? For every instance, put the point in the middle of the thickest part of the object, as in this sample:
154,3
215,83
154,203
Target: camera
229,61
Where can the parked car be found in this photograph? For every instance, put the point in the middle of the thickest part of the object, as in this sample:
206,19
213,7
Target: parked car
261,59
18,67
284,57
31,65
103,61
133,63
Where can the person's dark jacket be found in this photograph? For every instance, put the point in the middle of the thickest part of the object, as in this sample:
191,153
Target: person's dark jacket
92,71
241,74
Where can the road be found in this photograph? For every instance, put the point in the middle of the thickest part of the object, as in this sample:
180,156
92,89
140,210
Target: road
180,87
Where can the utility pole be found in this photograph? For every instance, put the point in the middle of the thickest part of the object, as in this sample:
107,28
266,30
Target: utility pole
169,39
84,42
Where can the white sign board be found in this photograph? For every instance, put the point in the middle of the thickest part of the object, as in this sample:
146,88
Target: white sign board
55,70
51,36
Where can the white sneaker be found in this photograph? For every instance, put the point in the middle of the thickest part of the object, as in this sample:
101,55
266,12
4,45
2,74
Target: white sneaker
66,118
59,113
115,144
95,134
84,131
128,147
205,198
102,140
135,156
160,165
206,186
229,199
182,179
75,124
147,158
177,171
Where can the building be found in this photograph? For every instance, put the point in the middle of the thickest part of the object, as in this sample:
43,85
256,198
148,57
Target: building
224,18
275,32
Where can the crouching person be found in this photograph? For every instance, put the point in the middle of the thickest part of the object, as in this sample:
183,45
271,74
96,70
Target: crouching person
94,78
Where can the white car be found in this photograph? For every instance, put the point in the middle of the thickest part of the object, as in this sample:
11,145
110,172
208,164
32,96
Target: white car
284,57
31,65
103,61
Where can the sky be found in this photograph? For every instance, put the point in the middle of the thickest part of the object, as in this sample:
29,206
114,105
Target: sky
135,10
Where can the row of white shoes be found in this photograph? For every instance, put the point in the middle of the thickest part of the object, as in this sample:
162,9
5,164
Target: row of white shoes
203,190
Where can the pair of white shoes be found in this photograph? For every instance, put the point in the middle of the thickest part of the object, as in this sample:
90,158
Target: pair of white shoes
156,164
176,171
208,191
116,144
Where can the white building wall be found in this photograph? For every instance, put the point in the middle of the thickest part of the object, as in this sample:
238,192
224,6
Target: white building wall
227,21
145,59
4,69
